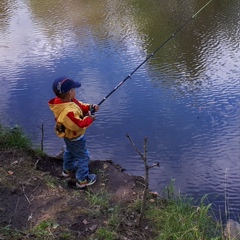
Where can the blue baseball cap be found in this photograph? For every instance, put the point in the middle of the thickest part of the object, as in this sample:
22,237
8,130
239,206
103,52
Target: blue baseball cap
62,85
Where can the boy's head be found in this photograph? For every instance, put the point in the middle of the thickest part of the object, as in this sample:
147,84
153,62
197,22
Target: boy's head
62,85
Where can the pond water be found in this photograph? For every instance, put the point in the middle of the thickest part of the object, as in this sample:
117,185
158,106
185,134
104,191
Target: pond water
184,100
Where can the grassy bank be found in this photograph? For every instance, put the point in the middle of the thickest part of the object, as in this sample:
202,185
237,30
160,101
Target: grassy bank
37,203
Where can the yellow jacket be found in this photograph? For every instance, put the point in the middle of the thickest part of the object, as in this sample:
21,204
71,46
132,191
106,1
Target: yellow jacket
70,117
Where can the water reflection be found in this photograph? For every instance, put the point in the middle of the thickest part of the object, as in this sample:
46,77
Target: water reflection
185,100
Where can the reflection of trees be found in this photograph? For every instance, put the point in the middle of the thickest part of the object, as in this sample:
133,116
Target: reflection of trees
59,16
4,14
164,20
151,21
188,52
49,15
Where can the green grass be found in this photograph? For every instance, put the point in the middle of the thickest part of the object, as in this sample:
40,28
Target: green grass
13,137
173,219
39,153
48,229
9,233
51,181
100,199
179,220
104,234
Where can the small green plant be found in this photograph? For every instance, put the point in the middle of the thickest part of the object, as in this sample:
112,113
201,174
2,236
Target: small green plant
136,205
39,153
168,191
51,181
65,235
45,229
105,234
8,233
13,137
100,199
114,216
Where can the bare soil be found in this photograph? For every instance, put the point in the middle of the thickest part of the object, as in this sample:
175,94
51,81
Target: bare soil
32,191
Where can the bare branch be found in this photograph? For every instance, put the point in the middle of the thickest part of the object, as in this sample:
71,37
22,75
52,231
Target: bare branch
154,165
23,190
142,156
42,138
146,187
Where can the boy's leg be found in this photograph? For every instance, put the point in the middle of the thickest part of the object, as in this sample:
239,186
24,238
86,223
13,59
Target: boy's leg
79,151
82,160
68,158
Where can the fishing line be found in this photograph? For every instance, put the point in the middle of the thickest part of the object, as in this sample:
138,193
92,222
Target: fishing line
153,53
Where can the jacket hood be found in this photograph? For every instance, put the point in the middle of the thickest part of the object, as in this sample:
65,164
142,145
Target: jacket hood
57,106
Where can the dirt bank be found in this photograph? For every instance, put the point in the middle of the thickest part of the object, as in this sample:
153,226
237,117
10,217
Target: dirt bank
33,192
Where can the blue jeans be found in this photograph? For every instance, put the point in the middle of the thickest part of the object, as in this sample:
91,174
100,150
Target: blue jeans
76,157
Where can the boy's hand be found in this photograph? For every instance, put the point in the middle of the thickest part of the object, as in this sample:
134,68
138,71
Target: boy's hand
93,117
94,108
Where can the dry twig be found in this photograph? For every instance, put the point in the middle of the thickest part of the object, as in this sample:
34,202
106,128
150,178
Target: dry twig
146,188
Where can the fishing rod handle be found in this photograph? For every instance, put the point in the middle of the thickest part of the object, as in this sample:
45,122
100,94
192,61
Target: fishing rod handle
93,108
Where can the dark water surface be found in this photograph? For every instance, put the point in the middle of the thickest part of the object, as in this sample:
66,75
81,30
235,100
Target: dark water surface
185,100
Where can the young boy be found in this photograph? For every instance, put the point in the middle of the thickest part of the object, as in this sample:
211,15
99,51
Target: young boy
72,119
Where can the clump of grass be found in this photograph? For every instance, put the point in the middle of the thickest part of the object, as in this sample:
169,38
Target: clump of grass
101,199
136,205
103,233
45,229
39,153
179,220
8,233
115,216
13,138
51,182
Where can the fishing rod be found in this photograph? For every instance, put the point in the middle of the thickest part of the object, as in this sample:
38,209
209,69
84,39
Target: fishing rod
152,54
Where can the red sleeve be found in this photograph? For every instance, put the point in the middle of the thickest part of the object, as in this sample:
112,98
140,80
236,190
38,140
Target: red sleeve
84,107
81,123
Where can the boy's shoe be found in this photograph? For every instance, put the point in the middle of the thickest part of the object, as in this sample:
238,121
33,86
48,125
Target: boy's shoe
67,173
91,179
